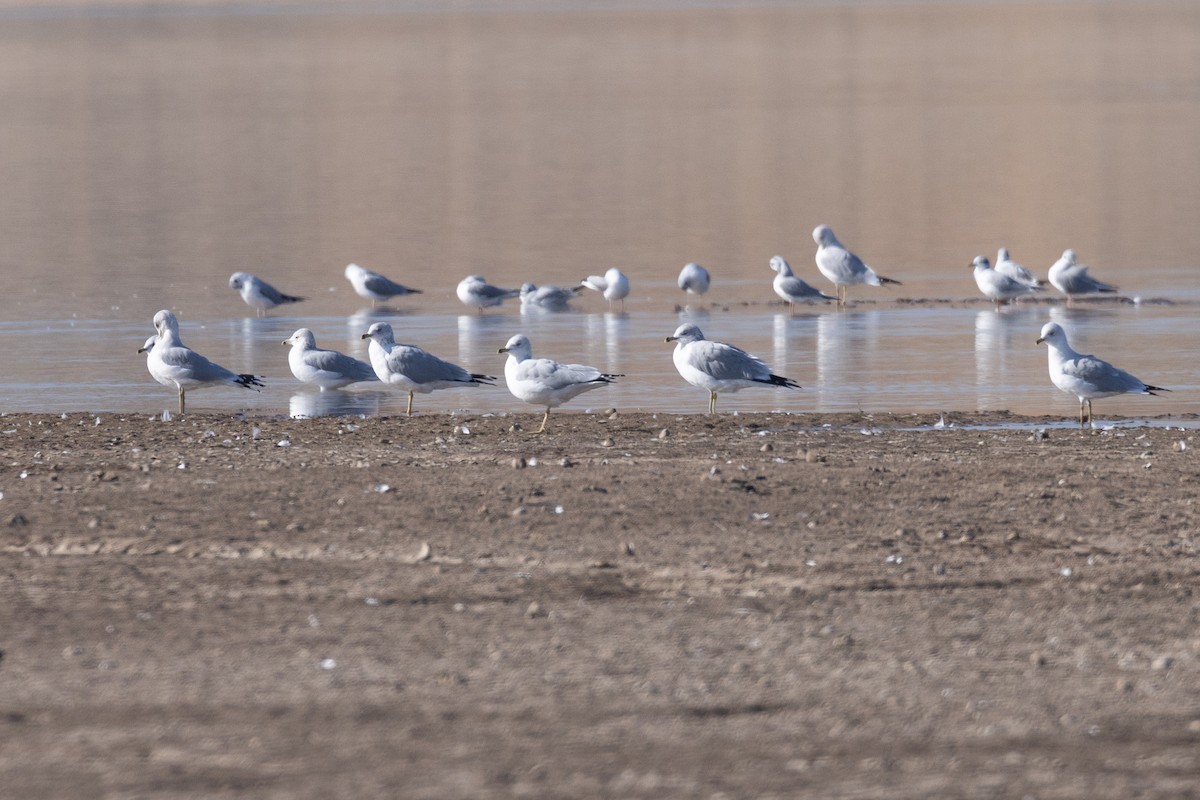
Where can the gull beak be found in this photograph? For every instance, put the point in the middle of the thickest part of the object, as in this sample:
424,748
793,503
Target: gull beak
1040,340
502,350
286,341
672,339
365,336
141,350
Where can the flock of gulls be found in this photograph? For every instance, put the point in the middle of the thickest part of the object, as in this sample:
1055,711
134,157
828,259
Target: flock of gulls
714,366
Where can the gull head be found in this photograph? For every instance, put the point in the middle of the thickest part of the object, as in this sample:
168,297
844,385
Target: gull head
1002,254
823,236
518,347
981,262
528,288
381,332
1053,335
780,265
149,345
237,279
301,338
1068,256
165,321
686,334
352,270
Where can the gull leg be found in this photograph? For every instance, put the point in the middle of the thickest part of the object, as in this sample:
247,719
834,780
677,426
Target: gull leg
410,395
712,402
181,400
544,418
1089,407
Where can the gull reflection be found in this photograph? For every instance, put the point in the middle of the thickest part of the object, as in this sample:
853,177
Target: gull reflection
789,335
845,343
334,403
482,334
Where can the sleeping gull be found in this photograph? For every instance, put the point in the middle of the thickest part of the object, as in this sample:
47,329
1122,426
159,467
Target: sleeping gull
793,289
1006,266
694,279
1087,377
1071,278
375,287
841,266
259,294
719,367
475,292
613,284
328,369
543,382
996,286
413,369
546,298
171,363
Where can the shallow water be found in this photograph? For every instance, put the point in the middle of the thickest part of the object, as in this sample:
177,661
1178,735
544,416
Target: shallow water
146,156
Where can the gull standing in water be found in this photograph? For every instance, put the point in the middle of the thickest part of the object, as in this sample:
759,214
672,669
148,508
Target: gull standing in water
793,289
375,287
841,266
544,382
1087,377
694,279
613,284
475,292
413,369
996,286
259,294
1006,266
719,367
1071,278
171,363
327,369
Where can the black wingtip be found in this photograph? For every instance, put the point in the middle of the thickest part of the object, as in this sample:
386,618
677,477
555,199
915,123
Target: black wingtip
288,298
787,383
487,380
889,280
1152,389
250,381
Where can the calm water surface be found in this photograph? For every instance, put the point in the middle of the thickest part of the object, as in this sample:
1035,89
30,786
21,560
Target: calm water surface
145,156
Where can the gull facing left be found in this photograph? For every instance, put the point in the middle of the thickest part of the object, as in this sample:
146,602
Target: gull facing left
375,287
327,369
841,266
172,363
258,294
997,286
545,382
1086,376
719,367
413,369
792,289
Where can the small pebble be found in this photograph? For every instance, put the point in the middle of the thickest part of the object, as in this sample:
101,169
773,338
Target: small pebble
328,663
1162,663
518,462
533,610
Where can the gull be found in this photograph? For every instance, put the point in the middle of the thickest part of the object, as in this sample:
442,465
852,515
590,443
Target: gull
328,369
793,289
1006,266
1071,278
996,286
259,294
841,266
544,382
719,367
413,369
546,298
475,292
375,287
694,279
613,284
171,363
1087,377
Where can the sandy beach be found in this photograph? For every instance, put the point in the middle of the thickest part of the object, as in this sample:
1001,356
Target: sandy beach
629,605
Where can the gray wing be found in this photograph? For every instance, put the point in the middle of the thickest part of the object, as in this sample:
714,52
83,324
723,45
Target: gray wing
1102,375
795,287
1078,281
492,292
421,367
196,366
381,285
554,375
340,364
841,261
725,362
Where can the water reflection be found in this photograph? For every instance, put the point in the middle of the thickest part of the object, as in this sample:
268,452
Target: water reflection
482,335
997,332
846,344
334,403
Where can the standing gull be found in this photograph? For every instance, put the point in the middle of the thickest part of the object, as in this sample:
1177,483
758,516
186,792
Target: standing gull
475,292
719,367
793,289
413,369
1071,278
841,266
694,279
543,382
1087,377
259,294
375,287
613,284
327,369
996,286
1006,266
171,363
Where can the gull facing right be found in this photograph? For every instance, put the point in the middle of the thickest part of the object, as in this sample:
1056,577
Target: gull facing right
613,285
719,367
1085,376
544,382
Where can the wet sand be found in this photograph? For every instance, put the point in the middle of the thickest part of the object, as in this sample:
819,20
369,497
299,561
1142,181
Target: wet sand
630,605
